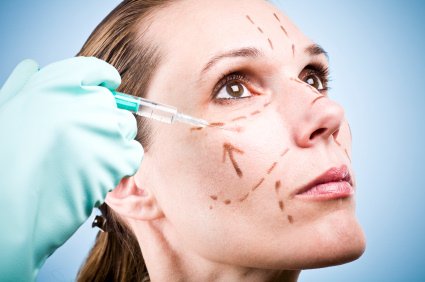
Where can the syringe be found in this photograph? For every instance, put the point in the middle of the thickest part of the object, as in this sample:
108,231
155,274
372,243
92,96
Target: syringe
153,110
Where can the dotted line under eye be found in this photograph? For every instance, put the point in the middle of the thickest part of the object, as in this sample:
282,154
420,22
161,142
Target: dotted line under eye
256,112
238,118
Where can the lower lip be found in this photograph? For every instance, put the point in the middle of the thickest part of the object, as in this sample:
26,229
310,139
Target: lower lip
328,191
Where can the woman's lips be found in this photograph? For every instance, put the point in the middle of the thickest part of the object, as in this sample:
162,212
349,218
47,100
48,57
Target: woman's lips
333,184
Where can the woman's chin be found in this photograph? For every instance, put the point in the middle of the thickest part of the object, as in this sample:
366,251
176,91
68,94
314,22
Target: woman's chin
341,241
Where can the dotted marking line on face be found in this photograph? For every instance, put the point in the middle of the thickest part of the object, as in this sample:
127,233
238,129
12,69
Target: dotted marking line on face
314,89
296,80
340,145
284,152
284,31
243,198
217,124
239,118
258,184
277,186
249,19
281,26
267,104
293,50
270,43
337,142
260,30
348,155
196,128
290,219
278,183
317,98
271,168
349,129
281,206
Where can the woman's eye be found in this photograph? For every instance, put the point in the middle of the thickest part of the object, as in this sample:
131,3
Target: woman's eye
233,90
316,76
314,81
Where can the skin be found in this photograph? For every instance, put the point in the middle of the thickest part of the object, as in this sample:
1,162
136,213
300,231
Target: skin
195,217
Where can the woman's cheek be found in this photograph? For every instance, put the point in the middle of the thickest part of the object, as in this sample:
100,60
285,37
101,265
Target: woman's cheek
236,164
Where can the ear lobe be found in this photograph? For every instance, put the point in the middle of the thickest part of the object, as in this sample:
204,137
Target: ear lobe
133,202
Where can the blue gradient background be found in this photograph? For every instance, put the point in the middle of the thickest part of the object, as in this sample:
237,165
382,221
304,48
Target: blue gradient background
377,63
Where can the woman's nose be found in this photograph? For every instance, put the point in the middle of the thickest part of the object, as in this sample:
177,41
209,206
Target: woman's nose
320,123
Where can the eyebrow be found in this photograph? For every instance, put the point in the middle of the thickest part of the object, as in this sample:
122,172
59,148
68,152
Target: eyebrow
316,50
252,52
242,52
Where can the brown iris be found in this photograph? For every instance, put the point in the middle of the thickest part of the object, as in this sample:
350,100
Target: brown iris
235,89
314,81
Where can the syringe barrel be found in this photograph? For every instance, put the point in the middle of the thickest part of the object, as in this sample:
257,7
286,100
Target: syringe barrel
145,107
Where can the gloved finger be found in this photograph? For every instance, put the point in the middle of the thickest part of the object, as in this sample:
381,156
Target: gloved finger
80,71
127,124
18,78
99,72
133,156
130,157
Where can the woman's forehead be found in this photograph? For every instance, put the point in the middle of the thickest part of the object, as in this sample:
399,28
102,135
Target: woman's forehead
209,27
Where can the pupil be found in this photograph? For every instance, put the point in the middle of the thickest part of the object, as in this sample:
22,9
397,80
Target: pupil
235,89
311,81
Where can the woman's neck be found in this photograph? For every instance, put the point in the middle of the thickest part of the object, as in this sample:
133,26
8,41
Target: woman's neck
167,261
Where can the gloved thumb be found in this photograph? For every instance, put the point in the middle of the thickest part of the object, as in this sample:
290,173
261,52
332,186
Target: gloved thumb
17,80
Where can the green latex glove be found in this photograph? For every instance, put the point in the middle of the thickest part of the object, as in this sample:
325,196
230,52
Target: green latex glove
63,146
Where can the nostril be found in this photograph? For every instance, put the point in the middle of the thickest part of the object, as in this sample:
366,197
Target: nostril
317,132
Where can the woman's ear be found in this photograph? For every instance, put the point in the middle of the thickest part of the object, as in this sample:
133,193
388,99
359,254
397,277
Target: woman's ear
131,201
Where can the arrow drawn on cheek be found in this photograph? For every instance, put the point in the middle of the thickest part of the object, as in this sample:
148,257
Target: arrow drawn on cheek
228,149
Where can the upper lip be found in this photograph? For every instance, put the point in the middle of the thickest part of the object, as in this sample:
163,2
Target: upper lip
334,174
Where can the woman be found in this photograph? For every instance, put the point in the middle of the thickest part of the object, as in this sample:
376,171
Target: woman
268,191
265,191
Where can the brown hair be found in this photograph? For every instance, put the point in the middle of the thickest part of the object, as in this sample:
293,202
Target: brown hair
120,39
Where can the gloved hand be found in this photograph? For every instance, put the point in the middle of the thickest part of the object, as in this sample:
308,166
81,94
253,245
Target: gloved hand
63,146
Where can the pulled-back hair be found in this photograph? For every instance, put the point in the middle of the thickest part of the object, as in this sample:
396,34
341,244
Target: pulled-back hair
120,39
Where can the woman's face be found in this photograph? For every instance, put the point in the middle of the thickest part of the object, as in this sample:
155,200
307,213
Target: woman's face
233,195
